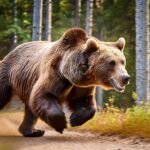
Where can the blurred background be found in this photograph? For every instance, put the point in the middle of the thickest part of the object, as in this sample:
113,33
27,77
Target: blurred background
24,20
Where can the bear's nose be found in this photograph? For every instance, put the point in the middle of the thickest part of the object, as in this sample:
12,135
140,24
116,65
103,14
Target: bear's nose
126,79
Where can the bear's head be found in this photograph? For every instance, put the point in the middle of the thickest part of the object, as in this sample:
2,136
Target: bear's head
88,61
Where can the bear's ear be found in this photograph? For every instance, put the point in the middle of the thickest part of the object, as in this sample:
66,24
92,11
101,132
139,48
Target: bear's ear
91,46
74,36
121,43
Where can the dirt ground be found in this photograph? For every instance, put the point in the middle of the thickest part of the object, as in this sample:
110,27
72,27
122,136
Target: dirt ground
10,139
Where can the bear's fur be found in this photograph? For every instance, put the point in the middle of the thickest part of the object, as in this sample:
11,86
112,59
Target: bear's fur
45,75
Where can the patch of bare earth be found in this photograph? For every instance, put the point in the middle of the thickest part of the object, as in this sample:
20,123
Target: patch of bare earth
10,139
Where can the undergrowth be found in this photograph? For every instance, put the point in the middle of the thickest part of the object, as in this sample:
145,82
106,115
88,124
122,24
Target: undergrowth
133,121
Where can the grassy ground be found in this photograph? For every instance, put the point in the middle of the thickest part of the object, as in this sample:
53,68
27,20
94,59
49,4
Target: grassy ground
132,122
10,139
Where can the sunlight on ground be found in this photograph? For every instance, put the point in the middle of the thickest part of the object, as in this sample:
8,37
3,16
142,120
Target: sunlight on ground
132,122
10,122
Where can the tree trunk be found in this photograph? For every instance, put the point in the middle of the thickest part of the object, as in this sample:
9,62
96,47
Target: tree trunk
99,97
48,20
148,34
37,20
142,83
77,13
14,35
89,17
89,25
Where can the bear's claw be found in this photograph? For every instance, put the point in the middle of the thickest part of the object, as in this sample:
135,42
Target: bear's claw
60,130
34,133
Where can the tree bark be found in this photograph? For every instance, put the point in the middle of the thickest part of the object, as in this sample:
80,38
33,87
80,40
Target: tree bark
14,35
89,17
142,41
48,20
37,20
89,25
148,34
77,13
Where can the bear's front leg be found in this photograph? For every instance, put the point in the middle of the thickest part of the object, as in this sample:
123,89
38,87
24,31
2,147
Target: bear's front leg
81,115
82,103
47,107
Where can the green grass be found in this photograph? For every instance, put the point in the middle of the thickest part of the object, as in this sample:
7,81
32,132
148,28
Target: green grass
134,121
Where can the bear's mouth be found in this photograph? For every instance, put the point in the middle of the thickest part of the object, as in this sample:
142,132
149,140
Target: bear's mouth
115,84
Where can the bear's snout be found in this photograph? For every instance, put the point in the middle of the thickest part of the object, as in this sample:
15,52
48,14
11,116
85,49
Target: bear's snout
126,79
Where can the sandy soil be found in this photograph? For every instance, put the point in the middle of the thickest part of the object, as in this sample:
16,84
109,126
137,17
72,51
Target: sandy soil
10,139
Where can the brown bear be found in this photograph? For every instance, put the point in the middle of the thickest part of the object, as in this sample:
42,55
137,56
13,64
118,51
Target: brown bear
45,75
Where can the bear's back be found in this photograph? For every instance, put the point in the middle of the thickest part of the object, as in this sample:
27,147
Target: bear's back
23,63
27,50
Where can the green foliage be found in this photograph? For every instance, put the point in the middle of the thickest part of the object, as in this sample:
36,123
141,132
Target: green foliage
119,21
112,19
134,95
61,17
66,7
130,122
10,25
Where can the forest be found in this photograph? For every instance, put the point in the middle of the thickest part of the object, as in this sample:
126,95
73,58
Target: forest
120,120
111,19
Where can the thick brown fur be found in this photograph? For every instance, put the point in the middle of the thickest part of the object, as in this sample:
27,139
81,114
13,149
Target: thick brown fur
45,75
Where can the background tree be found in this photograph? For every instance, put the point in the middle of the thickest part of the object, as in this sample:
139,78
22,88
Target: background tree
77,13
142,50
23,27
89,17
111,20
62,17
148,50
89,26
115,24
48,20
37,20
14,35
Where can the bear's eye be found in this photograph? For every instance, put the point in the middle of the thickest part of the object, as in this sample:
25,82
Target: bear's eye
83,67
112,63
122,62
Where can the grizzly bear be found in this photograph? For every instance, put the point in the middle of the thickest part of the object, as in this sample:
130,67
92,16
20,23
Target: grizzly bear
46,75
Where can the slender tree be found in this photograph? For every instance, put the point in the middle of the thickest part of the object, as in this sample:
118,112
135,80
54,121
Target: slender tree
37,20
89,17
148,53
77,13
14,35
89,25
142,41
48,20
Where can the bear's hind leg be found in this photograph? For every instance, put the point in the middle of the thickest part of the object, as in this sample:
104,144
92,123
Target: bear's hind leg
27,126
5,90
